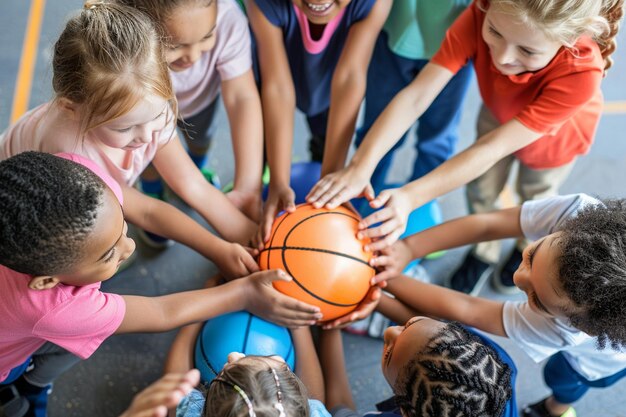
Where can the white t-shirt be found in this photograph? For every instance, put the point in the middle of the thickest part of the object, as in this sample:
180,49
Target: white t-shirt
541,337
198,86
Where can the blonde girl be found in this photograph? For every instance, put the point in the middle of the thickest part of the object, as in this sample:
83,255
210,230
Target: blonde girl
207,49
115,105
539,64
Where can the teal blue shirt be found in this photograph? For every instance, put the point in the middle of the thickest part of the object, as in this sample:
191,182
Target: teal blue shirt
417,27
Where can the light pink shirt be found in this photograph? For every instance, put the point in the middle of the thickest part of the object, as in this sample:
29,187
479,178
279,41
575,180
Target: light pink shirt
198,86
46,128
78,319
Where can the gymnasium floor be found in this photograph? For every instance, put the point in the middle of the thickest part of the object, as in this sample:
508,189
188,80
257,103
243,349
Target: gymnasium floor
105,384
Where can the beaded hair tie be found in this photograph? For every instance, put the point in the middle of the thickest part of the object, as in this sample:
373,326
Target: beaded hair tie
279,404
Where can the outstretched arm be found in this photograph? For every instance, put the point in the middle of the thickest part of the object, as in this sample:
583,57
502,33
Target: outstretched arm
278,98
348,85
338,391
307,363
465,230
435,301
397,118
243,107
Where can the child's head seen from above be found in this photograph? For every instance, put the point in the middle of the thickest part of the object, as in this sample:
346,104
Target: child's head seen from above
59,222
188,26
109,73
251,386
321,12
524,36
579,272
440,369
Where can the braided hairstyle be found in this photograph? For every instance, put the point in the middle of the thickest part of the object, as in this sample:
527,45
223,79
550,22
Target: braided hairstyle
592,270
222,400
456,375
48,208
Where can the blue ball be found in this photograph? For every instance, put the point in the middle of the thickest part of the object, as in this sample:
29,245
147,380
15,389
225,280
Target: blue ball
239,332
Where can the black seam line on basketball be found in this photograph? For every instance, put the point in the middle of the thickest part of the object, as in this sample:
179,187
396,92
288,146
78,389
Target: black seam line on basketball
272,239
204,356
245,337
331,252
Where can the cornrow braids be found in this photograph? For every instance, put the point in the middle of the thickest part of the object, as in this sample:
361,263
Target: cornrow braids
48,207
592,271
456,375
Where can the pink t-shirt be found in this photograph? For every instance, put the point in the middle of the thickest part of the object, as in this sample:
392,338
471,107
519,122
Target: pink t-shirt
78,319
46,129
198,86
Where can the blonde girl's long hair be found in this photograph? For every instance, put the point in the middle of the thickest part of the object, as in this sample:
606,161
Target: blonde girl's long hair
566,20
107,59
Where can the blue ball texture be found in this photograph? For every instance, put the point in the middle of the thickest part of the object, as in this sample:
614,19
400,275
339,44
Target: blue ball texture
239,332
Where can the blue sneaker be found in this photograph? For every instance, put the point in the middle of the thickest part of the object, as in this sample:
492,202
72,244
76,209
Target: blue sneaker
12,404
37,397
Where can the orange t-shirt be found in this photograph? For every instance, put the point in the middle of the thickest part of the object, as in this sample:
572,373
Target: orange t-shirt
562,100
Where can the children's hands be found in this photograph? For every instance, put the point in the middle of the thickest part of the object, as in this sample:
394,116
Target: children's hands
235,261
265,301
364,309
337,188
278,199
165,393
391,261
393,216
248,202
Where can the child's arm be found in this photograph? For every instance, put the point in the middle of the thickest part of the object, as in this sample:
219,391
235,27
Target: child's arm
278,99
243,107
435,301
334,368
475,228
165,393
254,293
337,188
457,171
348,85
164,219
181,353
307,364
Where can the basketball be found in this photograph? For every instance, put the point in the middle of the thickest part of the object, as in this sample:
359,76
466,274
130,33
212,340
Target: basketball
320,250
239,332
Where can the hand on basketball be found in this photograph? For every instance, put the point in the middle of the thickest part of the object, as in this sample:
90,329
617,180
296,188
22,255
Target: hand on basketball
278,199
391,261
364,309
396,207
341,186
248,202
165,393
266,302
235,261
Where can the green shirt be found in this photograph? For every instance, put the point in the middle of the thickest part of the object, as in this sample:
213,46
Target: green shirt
417,27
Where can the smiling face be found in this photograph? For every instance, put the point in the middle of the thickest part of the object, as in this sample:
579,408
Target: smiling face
515,46
403,342
320,12
191,31
106,247
538,275
140,126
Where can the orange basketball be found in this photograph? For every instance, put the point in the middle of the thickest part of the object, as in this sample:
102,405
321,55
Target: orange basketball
320,250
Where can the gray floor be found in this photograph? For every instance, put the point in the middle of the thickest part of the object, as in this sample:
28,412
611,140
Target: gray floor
105,384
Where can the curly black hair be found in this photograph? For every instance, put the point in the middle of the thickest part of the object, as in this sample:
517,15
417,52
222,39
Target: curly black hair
48,207
456,375
592,271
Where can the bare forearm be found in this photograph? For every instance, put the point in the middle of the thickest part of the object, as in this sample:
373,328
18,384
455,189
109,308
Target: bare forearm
180,356
347,92
307,364
395,310
278,111
167,312
334,368
465,230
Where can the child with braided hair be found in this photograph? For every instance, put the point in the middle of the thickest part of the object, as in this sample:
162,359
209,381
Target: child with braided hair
435,369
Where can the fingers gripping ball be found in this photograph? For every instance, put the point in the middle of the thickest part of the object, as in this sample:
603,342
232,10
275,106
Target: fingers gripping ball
239,332
320,250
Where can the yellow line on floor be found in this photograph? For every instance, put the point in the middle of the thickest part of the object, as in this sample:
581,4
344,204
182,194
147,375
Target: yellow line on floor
28,59
611,107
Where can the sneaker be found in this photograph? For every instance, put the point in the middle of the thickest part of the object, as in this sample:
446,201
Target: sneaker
503,277
211,177
154,241
539,410
36,396
12,404
471,275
